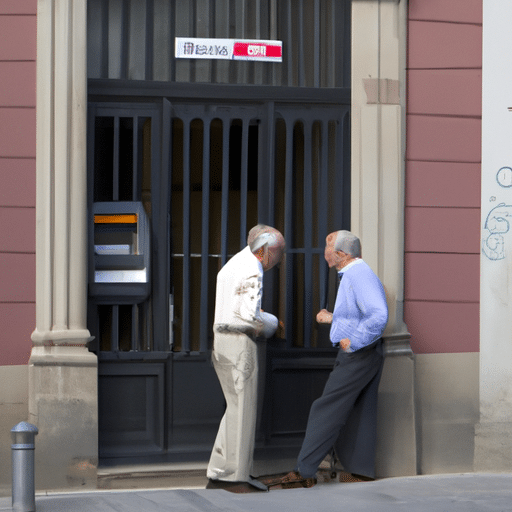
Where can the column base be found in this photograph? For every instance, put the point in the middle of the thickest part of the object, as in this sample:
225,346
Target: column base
493,447
396,421
63,404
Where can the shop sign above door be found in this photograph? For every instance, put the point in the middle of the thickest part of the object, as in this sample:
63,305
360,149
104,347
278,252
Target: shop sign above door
229,49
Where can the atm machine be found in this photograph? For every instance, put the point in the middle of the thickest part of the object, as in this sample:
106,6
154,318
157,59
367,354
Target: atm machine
120,262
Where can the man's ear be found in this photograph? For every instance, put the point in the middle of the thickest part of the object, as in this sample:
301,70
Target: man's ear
260,253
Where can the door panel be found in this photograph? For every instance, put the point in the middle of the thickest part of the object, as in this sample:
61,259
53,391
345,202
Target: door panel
131,408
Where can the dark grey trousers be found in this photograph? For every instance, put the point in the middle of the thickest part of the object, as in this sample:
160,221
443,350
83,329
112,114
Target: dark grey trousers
345,416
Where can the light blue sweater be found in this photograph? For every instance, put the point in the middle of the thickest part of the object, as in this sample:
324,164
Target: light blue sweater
360,312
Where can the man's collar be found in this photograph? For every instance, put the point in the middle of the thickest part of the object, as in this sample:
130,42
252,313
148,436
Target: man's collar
351,264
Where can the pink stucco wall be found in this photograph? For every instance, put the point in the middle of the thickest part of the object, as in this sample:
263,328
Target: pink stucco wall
442,176
442,217
17,178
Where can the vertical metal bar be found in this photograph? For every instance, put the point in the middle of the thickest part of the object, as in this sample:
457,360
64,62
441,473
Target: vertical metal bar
104,40
243,182
240,17
172,35
346,167
342,215
137,43
224,71
204,328
308,233
266,168
149,40
97,20
288,232
316,49
258,18
273,19
162,265
135,328
163,43
257,67
147,324
114,341
333,49
113,45
339,44
345,44
301,61
270,163
273,71
225,191
135,158
115,163
193,64
323,200
125,45
212,33
290,47
269,189
185,314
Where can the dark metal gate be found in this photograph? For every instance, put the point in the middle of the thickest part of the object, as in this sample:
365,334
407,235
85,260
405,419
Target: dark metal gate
206,173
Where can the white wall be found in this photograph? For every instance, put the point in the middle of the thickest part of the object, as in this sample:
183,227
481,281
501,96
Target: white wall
493,443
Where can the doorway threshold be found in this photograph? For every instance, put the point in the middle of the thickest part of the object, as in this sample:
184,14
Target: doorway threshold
150,474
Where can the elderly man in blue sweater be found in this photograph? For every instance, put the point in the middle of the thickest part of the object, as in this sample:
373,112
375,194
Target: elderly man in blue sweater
344,417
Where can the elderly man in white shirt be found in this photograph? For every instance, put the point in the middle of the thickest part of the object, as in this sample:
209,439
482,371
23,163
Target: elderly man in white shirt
238,322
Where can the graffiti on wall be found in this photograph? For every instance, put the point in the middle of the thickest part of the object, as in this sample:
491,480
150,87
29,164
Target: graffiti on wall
497,223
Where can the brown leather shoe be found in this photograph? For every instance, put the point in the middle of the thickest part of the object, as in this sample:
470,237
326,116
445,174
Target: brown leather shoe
271,480
294,480
350,478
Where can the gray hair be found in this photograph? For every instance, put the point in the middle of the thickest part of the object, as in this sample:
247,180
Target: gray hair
256,231
271,240
347,243
263,239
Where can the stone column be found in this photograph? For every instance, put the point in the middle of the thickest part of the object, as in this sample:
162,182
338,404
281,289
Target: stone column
493,434
62,372
378,161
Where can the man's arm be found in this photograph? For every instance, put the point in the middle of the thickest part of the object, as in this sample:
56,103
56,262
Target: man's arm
325,317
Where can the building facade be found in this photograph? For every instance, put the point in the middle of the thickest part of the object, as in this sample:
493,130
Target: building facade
376,107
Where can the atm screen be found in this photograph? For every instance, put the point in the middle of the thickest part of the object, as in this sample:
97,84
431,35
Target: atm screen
115,234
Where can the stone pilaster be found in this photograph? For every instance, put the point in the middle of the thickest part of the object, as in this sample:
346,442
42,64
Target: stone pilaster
378,146
62,372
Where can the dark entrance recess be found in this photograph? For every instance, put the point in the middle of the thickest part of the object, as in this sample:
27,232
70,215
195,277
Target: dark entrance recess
208,161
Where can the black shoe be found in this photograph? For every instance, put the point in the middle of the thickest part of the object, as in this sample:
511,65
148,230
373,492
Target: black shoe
236,487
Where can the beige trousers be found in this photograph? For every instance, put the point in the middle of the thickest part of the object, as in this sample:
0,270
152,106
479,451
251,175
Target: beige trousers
235,360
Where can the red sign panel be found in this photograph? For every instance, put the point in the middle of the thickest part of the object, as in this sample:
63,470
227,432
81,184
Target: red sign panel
257,50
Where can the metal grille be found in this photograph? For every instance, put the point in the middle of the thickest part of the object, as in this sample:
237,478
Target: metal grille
311,200
228,167
120,157
226,178
134,40
215,179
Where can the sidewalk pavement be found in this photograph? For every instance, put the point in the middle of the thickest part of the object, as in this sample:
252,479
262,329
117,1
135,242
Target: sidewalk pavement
469,492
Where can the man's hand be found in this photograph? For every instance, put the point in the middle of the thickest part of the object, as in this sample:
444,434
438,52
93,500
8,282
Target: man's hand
324,317
345,344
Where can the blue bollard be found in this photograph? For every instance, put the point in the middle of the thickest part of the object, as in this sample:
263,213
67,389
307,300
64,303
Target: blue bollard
23,482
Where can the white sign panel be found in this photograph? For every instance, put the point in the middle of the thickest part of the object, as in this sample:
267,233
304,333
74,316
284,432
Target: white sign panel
228,49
